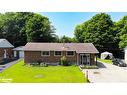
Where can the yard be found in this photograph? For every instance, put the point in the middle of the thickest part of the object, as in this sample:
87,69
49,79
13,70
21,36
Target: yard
20,73
105,60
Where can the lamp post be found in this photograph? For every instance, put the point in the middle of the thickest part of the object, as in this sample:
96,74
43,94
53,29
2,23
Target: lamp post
87,76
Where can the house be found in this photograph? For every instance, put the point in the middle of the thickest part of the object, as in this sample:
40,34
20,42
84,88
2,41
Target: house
79,53
5,49
125,54
19,52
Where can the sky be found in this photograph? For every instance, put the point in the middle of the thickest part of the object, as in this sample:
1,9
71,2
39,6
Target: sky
65,22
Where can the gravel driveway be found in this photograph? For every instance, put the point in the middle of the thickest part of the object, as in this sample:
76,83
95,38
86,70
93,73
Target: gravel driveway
107,73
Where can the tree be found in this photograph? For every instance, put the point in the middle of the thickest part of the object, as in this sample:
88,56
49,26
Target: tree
121,28
65,39
98,30
11,27
39,29
16,27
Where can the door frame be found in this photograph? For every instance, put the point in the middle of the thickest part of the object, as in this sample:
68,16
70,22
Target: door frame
83,59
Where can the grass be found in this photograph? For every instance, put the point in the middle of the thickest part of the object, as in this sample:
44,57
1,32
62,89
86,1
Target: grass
105,60
20,73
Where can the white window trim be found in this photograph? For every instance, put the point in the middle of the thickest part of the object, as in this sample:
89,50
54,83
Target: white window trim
57,55
70,55
44,55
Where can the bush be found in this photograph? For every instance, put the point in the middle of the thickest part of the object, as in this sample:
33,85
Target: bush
34,64
44,65
39,61
64,61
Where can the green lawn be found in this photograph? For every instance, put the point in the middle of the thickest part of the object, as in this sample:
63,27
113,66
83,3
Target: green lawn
20,73
105,60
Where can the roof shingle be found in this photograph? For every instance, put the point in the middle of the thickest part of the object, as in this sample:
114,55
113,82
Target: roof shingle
78,47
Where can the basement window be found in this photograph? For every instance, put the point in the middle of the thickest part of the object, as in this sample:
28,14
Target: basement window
70,53
58,53
45,53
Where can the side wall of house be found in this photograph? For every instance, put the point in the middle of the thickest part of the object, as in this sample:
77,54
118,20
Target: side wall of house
93,59
125,56
34,56
9,53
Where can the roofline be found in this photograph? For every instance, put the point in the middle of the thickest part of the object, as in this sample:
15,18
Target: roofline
6,47
61,50
56,42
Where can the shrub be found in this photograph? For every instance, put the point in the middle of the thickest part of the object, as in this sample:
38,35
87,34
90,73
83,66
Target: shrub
39,61
43,65
64,61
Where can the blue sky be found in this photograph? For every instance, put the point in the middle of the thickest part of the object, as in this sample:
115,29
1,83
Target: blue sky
65,22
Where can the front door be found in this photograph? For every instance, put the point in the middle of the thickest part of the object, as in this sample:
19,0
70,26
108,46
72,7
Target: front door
5,53
85,59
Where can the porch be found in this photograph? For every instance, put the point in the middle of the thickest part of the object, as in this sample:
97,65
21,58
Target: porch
86,59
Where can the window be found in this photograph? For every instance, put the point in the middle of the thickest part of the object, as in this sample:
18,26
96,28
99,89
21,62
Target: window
45,53
70,53
58,53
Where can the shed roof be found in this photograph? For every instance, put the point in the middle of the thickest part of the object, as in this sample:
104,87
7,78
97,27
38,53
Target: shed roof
78,47
106,53
5,44
20,48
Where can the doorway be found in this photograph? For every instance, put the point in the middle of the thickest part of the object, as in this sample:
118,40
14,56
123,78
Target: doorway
85,59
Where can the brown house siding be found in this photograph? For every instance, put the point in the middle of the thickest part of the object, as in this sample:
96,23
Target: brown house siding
92,58
9,52
34,56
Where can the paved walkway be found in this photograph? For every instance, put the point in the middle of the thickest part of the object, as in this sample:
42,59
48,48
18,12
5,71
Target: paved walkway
107,73
3,67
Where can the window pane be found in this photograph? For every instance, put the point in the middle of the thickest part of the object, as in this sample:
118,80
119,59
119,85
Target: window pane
57,52
70,53
45,53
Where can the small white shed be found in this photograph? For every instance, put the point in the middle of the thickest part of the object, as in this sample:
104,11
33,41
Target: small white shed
125,54
19,52
106,55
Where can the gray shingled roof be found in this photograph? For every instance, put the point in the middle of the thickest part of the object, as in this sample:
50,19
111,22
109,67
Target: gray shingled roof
5,44
78,47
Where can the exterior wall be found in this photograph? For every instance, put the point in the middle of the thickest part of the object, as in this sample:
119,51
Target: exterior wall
92,59
125,56
34,56
9,53
18,53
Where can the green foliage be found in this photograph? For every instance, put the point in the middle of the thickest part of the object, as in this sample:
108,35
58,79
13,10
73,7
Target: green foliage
11,27
123,42
98,30
65,39
20,27
38,29
105,60
64,61
121,28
